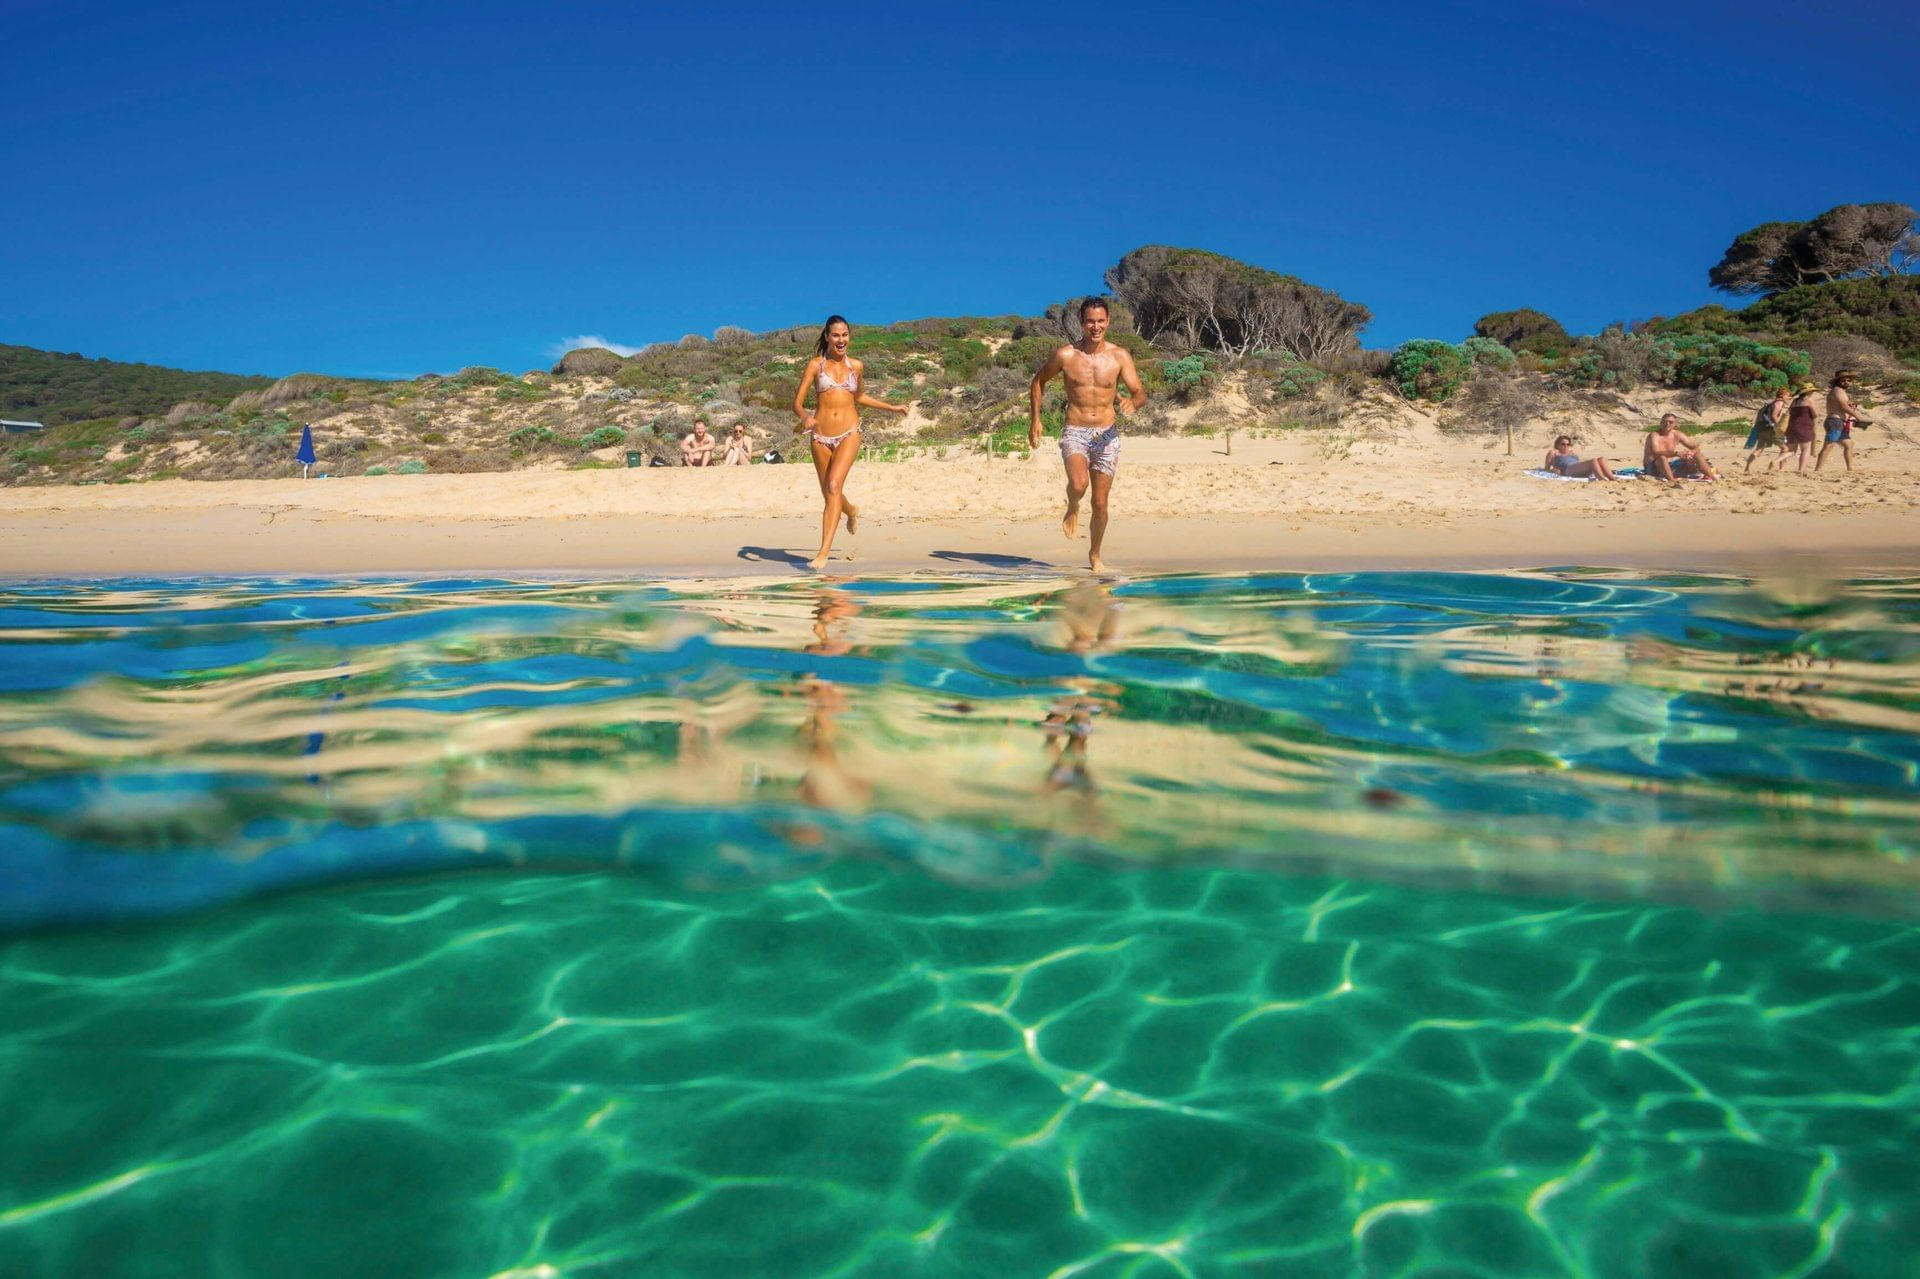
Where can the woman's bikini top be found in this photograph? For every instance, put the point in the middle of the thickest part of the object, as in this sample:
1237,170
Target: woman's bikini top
825,382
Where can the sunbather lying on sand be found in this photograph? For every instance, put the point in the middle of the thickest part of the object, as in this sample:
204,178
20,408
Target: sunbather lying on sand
1562,460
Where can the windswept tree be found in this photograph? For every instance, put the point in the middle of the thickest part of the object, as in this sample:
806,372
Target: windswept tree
1846,241
1203,301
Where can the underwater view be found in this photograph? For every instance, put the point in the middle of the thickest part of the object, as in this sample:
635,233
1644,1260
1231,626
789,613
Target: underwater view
982,923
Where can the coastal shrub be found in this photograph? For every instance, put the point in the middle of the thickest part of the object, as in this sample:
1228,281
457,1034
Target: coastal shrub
1026,354
411,466
732,335
1281,376
1726,364
1186,375
376,470
1428,369
1882,309
1617,360
1485,352
589,361
605,437
517,390
1525,330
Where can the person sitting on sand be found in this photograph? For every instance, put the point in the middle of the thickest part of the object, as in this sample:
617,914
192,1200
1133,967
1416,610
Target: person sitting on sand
1670,455
697,449
1562,460
1801,416
1841,418
739,447
1768,425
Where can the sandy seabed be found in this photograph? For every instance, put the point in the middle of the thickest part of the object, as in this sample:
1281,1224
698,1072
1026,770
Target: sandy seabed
1277,501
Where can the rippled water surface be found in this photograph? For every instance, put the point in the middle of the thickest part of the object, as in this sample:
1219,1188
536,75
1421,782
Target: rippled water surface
1371,924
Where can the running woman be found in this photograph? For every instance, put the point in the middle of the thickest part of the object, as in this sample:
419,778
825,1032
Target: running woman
839,390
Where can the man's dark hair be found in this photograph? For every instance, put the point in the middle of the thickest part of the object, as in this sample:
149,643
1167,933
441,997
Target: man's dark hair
1087,304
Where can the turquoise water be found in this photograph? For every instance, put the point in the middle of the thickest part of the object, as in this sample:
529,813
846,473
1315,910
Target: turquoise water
1371,924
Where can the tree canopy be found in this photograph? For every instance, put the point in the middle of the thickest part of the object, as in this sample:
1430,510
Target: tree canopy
1847,240
1525,330
1205,301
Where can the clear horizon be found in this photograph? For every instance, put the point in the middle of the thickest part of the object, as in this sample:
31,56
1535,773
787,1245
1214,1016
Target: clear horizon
380,191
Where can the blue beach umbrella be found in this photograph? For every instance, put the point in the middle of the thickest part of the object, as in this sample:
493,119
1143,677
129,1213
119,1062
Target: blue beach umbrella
305,456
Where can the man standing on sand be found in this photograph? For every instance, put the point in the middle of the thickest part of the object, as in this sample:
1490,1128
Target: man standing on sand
1841,419
1093,368
697,448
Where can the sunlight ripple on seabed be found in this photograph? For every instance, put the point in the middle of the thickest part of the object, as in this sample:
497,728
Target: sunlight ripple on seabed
1330,924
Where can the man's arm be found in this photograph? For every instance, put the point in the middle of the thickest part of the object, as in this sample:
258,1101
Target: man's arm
1136,394
1037,388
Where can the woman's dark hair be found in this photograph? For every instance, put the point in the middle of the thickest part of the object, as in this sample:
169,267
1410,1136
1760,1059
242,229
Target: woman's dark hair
820,343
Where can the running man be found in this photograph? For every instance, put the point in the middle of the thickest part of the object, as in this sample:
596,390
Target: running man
1093,368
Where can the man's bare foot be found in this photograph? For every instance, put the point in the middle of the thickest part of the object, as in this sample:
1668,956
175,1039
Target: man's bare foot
1071,524
1096,564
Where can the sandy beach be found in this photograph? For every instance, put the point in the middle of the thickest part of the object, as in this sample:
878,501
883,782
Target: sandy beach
1411,497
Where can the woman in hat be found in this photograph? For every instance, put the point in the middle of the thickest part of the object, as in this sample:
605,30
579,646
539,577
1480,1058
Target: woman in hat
1801,417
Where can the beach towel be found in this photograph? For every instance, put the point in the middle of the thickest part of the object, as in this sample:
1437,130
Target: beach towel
1540,473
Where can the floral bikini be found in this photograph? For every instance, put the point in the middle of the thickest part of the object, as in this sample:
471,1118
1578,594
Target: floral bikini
826,382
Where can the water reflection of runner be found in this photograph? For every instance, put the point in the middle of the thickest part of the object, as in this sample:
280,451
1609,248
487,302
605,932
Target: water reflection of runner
1090,619
828,783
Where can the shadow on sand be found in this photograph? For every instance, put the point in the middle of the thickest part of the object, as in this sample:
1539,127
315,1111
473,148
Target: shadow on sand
988,559
772,555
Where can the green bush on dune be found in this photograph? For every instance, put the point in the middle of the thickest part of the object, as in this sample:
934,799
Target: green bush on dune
1428,369
1488,353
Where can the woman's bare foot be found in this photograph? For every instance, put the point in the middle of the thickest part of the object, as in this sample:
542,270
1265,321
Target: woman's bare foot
852,515
1071,524
818,561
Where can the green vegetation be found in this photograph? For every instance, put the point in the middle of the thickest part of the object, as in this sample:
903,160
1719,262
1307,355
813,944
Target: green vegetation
1485,352
1885,310
1526,329
1847,241
1430,370
56,387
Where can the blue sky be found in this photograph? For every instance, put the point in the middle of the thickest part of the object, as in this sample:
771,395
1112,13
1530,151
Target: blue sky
398,188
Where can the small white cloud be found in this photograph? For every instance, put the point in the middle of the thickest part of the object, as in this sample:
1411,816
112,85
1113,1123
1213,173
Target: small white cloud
564,345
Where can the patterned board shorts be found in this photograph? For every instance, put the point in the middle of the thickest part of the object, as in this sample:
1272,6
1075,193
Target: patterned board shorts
1100,445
